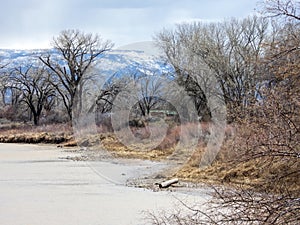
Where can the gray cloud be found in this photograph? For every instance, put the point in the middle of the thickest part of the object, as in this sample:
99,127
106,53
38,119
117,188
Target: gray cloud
33,23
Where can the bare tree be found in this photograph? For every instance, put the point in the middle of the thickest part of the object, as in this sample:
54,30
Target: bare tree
78,51
10,97
150,93
176,53
108,93
35,88
230,49
286,9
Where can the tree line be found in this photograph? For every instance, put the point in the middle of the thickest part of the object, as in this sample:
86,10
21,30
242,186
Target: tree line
242,54
37,88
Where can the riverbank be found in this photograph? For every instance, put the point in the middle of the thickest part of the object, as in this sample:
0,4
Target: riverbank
41,185
253,173
90,151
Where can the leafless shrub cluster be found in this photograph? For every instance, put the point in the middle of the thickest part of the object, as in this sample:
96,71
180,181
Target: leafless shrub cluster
234,207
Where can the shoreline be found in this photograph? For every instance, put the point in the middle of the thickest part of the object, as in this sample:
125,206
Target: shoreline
148,178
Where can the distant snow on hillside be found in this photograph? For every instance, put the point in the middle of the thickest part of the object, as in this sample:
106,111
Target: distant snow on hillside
16,58
139,57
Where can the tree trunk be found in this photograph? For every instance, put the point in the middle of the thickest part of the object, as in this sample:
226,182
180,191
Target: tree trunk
35,119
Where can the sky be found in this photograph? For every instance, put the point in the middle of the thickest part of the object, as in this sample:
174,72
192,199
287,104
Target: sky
29,24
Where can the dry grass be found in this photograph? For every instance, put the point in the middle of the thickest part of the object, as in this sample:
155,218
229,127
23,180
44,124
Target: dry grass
22,133
233,167
110,142
251,174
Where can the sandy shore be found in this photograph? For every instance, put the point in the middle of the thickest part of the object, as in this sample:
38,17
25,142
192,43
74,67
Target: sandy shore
40,185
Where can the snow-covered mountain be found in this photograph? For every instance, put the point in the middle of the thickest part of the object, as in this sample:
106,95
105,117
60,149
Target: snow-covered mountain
141,57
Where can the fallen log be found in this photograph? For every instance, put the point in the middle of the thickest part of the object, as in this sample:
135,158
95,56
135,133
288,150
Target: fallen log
168,183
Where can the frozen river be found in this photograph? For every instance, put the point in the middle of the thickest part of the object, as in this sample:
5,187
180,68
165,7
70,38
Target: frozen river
38,186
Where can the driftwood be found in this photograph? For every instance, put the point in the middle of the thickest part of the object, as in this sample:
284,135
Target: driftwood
168,183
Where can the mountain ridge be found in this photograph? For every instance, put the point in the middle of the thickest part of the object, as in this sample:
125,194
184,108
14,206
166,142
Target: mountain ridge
116,59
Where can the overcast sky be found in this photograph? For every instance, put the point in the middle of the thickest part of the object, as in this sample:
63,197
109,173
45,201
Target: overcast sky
33,23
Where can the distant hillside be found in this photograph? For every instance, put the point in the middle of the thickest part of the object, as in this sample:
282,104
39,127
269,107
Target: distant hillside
112,62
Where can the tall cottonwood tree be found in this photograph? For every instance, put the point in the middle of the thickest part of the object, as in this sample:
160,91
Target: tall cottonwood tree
34,87
78,52
231,49
172,44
